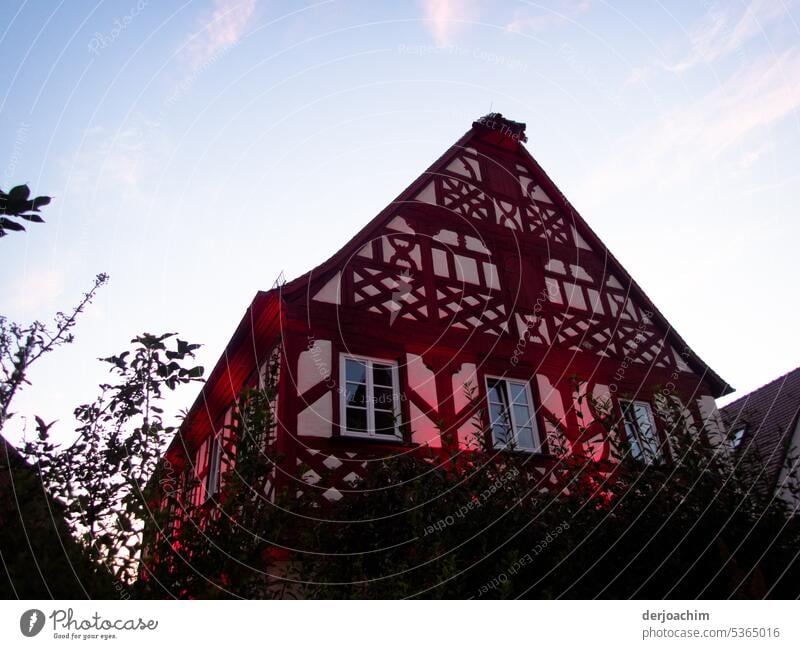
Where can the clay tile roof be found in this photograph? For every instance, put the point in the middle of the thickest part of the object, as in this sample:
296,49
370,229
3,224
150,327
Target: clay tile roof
770,415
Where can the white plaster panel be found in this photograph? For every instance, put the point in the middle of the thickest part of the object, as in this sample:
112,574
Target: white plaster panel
476,245
579,240
712,422
399,224
553,290
439,262
423,430
467,269
313,365
552,402
447,237
428,194
332,291
315,421
490,273
575,297
421,379
464,375
539,195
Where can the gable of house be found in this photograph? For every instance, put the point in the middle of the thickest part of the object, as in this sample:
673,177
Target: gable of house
484,243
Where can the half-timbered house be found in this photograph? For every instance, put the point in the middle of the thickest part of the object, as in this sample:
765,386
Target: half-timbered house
479,284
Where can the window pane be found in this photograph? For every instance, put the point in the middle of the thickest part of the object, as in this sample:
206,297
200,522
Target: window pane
384,399
653,447
212,485
500,435
525,438
357,420
357,395
642,416
627,411
522,416
633,440
648,438
356,371
382,375
518,393
499,423
497,392
384,423
498,415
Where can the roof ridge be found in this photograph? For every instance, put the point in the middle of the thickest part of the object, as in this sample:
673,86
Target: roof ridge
783,378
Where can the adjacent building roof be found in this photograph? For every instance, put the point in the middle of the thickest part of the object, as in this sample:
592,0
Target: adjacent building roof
769,417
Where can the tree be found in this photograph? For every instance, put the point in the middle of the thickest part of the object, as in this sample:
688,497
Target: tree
225,546
102,477
39,556
17,204
23,345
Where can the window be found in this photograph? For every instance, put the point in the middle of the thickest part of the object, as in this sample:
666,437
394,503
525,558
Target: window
200,474
215,458
736,437
369,402
640,428
511,415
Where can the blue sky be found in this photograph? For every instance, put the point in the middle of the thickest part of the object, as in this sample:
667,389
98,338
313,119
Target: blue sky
197,149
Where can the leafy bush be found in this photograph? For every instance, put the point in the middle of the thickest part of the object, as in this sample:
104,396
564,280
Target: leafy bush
485,524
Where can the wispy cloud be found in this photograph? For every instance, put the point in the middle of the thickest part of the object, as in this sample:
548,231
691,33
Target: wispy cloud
108,156
446,18
221,28
721,31
37,288
693,138
565,11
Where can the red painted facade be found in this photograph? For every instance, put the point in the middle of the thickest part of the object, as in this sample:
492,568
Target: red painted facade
480,268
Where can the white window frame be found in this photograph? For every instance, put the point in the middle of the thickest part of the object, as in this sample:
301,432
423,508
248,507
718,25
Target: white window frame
646,452
537,438
370,432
